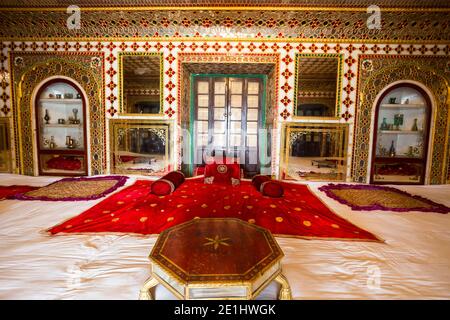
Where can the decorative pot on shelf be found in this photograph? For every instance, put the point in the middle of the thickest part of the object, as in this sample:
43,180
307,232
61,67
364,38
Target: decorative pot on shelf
46,117
75,112
384,125
52,144
415,127
70,142
398,121
392,149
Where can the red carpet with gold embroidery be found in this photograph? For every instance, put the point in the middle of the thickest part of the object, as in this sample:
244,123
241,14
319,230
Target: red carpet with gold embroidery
299,213
9,191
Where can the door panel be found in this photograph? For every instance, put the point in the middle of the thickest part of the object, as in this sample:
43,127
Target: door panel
227,119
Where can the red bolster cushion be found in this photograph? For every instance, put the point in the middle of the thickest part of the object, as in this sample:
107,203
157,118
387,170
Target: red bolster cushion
167,184
258,180
272,189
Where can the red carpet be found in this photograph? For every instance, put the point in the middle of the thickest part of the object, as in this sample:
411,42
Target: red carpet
299,213
8,191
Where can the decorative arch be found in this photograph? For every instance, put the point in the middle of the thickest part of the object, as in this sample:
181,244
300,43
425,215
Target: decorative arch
378,72
32,69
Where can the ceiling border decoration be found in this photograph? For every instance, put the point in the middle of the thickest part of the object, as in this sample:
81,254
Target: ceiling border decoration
106,24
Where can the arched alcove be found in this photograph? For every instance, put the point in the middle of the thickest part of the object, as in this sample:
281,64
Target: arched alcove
29,72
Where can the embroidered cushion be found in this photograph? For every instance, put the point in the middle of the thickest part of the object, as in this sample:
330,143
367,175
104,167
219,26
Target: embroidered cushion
168,183
199,171
221,160
223,173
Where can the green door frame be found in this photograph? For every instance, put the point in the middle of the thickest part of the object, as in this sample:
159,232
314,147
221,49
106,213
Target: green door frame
262,142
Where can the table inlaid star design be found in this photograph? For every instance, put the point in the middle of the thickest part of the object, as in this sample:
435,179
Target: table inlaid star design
216,259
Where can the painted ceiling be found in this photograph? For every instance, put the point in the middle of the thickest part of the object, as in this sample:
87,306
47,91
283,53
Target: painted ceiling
227,3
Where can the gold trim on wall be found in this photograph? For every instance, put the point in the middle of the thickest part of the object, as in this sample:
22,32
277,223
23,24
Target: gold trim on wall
123,112
210,39
5,153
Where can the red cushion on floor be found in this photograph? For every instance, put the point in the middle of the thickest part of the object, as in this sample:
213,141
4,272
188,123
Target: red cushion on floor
223,173
272,189
259,179
168,183
199,171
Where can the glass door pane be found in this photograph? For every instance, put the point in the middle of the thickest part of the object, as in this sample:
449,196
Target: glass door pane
202,116
220,115
230,108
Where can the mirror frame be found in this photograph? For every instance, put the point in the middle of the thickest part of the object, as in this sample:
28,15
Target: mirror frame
122,110
339,57
166,125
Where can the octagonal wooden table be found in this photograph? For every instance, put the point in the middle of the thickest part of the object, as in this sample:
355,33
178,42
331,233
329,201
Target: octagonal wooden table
223,258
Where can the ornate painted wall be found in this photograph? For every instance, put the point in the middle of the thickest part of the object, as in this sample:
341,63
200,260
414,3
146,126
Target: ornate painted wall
376,73
232,34
32,68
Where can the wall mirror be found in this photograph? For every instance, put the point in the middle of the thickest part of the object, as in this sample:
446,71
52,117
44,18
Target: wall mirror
314,151
317,86
140,147
140,83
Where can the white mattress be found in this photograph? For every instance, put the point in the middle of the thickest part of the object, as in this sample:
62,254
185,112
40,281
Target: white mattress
413,263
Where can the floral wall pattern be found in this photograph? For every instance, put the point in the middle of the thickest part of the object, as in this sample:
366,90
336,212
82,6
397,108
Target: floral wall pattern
228,33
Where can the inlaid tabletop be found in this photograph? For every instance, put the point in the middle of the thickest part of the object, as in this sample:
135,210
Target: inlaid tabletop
216,250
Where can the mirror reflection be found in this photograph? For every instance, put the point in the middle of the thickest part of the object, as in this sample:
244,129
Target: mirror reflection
139,147
141,83
317,86
315,152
